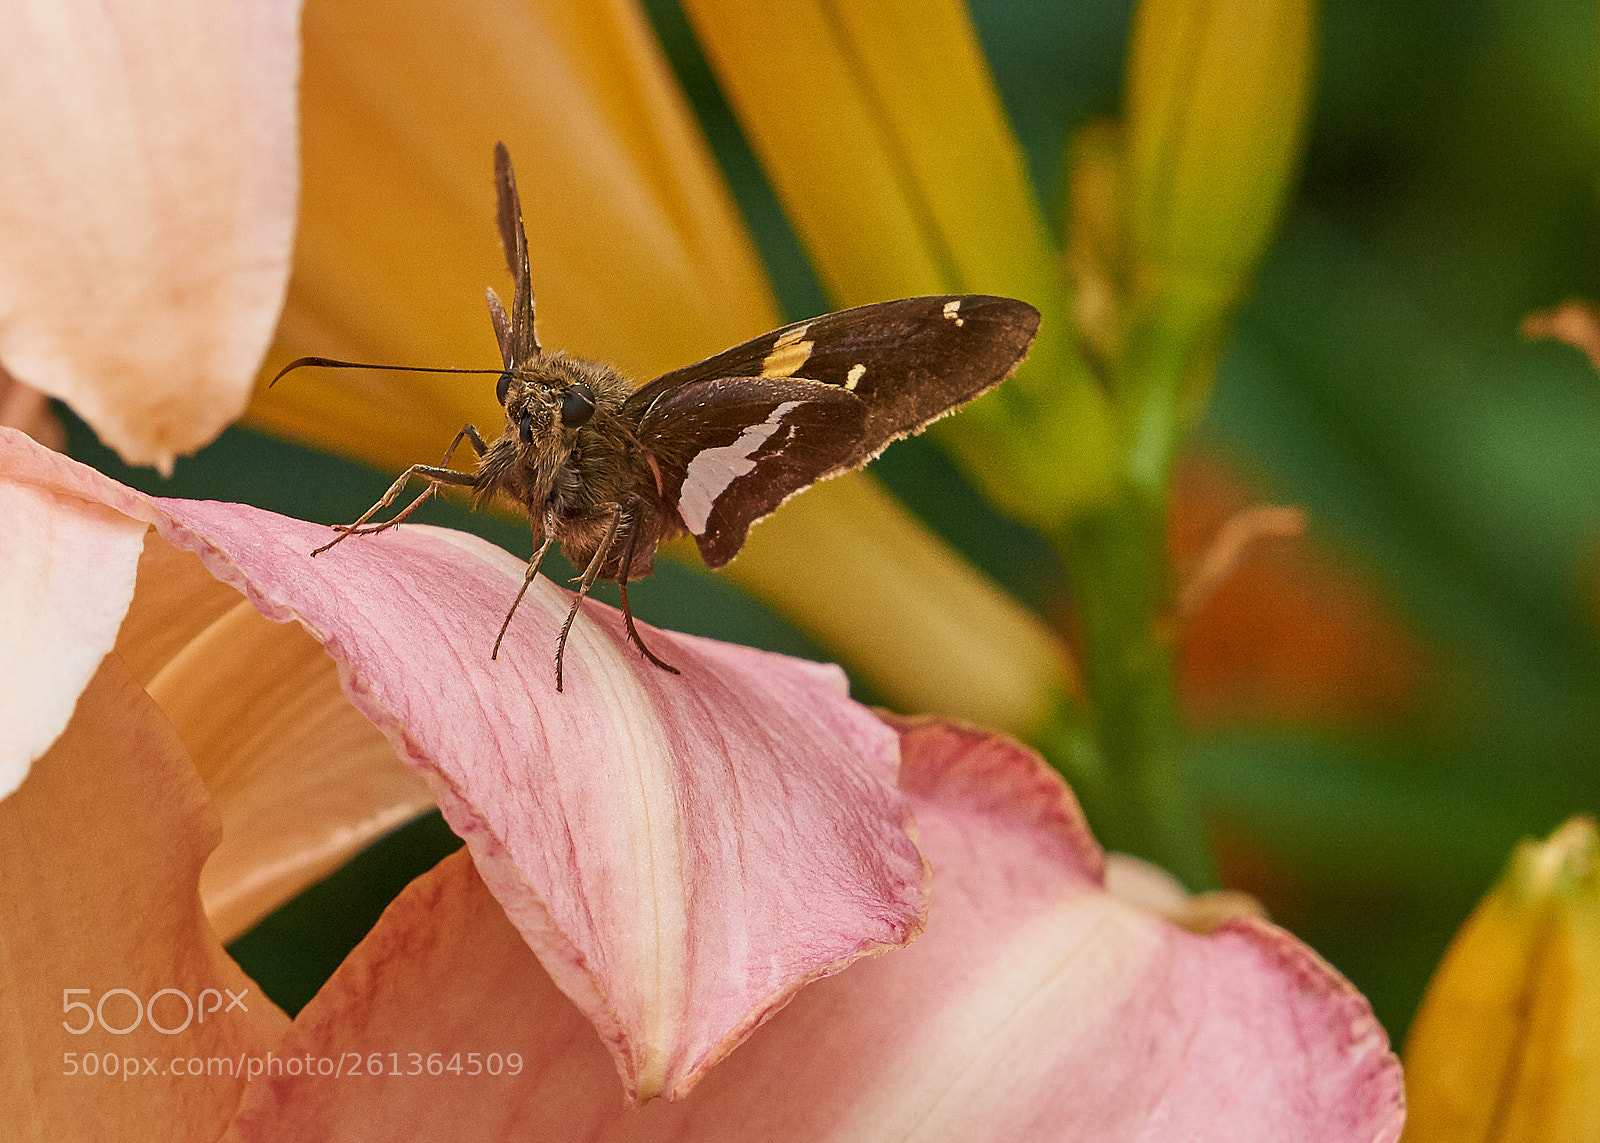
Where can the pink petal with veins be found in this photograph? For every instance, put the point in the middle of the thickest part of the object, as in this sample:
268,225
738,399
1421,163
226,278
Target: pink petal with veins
1035,1007
683,852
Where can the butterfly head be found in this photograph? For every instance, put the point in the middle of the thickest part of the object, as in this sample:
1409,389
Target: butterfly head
555,396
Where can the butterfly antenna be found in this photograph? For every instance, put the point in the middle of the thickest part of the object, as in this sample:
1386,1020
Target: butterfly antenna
330,363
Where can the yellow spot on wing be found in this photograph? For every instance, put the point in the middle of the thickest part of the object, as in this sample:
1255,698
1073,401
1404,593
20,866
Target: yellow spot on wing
953,310
853,378
788,354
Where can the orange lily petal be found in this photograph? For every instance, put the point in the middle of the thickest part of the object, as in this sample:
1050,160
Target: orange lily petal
104,947
148,203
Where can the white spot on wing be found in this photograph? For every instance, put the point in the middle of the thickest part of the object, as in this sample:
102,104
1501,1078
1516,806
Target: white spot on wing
713,469
853,378
952,310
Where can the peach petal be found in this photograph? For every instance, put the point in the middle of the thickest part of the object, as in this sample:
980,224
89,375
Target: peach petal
683,853
1036,1006
101,849
146,208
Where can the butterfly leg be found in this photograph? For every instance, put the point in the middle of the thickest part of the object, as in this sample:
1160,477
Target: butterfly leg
435,474
533,570
627,612
590,574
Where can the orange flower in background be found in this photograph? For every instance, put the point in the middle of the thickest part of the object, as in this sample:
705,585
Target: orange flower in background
1291,635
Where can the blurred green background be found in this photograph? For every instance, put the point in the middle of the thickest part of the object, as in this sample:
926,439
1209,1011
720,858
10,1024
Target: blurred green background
1375,377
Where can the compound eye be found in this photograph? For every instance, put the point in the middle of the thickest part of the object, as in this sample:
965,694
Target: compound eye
525,427
577,406
501,386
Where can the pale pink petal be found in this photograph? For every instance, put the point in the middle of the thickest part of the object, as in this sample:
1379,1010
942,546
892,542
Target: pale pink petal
683,852
147,204
1036,1006
66,576
112,985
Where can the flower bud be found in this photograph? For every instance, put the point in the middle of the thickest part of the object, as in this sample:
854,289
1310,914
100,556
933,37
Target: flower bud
1217,95
1506,1045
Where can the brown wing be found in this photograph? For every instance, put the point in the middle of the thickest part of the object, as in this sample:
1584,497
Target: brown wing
729,450
909,361
524,345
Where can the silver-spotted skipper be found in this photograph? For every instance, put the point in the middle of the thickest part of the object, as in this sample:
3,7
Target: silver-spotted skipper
611,470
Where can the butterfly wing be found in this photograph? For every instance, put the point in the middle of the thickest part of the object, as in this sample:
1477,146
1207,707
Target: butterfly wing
909,362
522,345
726,451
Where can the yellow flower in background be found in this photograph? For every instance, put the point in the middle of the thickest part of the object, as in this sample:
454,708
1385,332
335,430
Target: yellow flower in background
1217,95
887,144
1506,1045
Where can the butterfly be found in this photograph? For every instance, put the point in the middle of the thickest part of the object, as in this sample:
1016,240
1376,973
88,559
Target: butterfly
609,469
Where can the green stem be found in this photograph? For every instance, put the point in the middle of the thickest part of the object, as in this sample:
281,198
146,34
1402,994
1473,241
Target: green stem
1128,750
1142,800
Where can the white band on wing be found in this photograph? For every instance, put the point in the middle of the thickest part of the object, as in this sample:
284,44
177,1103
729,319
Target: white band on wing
713,469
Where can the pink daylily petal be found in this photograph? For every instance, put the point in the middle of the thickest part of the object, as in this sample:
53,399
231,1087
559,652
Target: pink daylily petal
1036,1006
147,206
301,779
683,853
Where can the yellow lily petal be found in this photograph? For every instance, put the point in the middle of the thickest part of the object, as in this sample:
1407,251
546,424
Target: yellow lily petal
1506,1045
1217,101
639,256
1217,95
908,613
884,137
